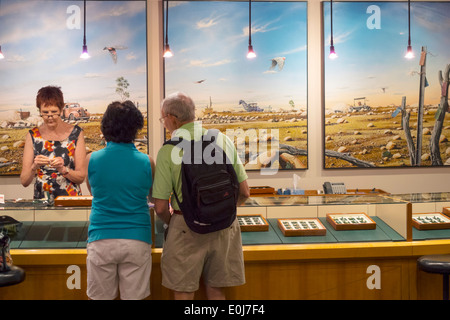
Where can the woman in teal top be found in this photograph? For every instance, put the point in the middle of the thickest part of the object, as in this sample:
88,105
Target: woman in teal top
119,235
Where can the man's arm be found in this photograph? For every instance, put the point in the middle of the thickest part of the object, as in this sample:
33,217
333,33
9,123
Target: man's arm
244,192
162,209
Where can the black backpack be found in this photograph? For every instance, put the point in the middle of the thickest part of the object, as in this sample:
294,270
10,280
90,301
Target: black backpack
209,187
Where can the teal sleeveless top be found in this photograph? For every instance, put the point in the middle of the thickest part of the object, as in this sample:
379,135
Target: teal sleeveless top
120,178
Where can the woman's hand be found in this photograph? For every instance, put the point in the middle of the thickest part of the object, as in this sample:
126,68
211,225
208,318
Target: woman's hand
57,162
40,161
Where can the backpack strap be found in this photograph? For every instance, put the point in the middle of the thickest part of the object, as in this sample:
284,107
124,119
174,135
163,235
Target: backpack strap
173,142
184,145
211,135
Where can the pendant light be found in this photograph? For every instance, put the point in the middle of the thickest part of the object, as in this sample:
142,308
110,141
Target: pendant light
84,53
409,53
333,54
167,52
251,54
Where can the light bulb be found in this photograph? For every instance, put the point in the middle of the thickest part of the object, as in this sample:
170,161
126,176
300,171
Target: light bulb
409,53
251,54
333,54
167,52
85,54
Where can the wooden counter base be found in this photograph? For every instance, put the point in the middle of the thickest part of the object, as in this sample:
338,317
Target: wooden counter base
380,270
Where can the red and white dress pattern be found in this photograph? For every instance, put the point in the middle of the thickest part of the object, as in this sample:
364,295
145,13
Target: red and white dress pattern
48,179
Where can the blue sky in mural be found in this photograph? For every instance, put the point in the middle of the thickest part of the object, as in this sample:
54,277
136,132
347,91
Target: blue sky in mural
371,62
40,49
210,40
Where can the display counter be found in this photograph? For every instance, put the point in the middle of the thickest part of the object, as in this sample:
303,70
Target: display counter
351,264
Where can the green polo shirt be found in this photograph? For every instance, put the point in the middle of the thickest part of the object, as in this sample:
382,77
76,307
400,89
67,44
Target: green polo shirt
168,162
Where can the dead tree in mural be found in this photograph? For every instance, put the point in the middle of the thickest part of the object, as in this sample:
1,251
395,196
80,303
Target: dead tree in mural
415,150
440,116
405,124
284,148
423,84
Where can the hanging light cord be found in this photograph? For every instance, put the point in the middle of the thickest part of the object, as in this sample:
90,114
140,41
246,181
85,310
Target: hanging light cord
84,37
331,15
250,22
409,23
167,21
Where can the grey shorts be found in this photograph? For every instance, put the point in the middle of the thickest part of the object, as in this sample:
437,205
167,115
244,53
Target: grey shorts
217,257
118,264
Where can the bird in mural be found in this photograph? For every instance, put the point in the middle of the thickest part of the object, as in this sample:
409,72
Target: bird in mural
279,61
113,52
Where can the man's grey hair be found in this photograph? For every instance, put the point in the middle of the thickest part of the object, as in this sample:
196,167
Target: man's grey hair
179,105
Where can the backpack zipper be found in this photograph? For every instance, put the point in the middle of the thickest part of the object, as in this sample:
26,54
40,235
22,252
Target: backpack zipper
217,184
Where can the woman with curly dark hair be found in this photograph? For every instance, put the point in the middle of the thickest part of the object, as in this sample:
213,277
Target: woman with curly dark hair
119,235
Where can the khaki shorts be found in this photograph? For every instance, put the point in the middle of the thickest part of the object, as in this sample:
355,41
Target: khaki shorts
115,265
216,257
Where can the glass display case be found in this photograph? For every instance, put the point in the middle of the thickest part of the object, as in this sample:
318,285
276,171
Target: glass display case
45,226
392,217
424,204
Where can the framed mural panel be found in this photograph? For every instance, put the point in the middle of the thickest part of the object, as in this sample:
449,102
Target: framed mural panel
382,110
261,104
42,41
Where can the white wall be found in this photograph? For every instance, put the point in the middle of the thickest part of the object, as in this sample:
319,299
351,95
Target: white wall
405,180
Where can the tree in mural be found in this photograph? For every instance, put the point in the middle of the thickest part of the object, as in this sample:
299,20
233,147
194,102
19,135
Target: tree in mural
121,89
415,150
439,116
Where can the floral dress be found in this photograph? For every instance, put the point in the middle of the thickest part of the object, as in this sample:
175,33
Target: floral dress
48,179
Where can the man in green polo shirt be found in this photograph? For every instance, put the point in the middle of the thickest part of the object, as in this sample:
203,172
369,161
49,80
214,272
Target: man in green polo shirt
217,256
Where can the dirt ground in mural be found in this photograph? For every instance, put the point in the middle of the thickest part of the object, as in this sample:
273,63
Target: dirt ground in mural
12,141
265,135
378,138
